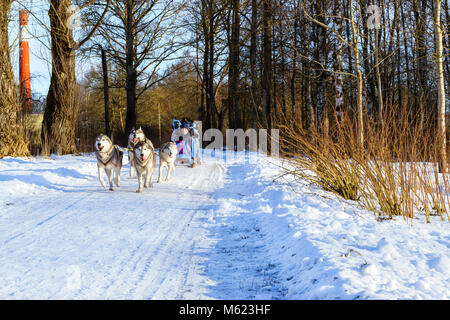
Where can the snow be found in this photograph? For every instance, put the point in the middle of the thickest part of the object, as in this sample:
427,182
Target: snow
224,230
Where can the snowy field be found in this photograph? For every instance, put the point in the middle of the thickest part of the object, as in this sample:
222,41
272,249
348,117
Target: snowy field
223,230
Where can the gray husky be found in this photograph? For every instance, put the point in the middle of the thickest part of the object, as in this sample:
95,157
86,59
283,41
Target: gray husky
109,159
167,157
135,136
144,159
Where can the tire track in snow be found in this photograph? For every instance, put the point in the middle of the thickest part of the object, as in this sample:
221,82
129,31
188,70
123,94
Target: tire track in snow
174,274
48,218
156,263
162,263
239,264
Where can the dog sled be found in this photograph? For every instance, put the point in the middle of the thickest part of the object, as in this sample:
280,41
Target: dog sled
185,135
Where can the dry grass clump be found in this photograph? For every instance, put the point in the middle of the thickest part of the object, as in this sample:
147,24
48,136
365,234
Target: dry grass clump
320,160
395,174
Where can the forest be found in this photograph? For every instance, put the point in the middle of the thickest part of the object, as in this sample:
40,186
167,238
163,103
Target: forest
346,79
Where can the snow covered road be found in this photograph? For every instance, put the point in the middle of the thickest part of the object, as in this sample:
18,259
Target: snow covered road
63,237
223,230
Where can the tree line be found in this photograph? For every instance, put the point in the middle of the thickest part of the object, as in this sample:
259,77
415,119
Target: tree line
248,63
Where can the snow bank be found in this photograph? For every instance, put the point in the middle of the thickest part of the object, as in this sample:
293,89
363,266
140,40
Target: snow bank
329,248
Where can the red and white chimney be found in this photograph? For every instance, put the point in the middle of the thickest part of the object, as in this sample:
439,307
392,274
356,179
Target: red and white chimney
24,62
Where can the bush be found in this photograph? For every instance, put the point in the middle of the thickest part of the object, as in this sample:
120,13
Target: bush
395,174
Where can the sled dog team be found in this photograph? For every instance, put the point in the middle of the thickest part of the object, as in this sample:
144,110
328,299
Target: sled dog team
141,155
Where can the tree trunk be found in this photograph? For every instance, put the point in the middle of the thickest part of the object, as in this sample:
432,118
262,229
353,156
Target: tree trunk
442,146
347,12
296,113
309,106
366,63
205,80
421,48
405,44
377,73
12,138
106,92
131,77
339,81
282,78
233,90
267,81
447,45
359,84
60,116
305,39
359,103
321,54
212,98
253,33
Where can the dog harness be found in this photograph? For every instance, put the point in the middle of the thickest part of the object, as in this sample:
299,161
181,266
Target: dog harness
109,153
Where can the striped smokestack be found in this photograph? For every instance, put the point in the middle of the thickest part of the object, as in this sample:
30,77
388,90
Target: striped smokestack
24,62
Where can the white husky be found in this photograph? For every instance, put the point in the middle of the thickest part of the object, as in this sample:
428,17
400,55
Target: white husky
109,159
144,161
136,135
167,157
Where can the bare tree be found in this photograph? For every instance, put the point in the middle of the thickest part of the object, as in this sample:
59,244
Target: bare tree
212,30
255,94
439,56
267,74
106,91
60,116
354,23
234,76
140,36
12,138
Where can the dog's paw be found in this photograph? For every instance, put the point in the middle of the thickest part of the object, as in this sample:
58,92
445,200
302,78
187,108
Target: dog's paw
159,181
111,189
138,191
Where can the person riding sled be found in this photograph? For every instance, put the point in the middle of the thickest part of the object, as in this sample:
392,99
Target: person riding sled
186,136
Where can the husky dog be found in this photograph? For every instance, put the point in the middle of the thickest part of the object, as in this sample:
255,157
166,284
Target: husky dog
167,157
133,139
144,159
109,159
